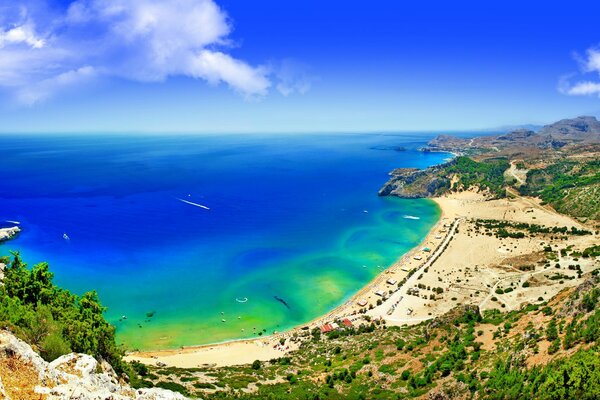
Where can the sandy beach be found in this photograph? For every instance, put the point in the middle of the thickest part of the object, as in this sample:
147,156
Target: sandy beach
453,265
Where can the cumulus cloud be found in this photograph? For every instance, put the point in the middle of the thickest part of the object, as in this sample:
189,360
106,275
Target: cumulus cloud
590,65
142,40
21,34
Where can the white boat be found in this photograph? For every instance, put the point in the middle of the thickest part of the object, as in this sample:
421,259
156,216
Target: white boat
66,237
194,204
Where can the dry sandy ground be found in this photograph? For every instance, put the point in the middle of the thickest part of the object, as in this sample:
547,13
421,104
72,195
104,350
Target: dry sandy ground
231,353
474,265
468,267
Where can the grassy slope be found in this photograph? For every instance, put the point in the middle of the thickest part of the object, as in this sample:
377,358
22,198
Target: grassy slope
570,187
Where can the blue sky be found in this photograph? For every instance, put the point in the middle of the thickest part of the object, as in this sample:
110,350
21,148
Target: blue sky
288,66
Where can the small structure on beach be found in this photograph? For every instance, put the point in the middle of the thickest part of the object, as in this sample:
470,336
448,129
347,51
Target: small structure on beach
392,281
362,302
427,249
326,328
418,258
379,293
347,323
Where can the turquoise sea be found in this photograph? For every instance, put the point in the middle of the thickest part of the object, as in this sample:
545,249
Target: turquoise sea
178,232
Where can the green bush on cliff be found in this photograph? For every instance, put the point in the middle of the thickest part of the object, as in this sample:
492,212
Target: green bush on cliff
487,174
51,319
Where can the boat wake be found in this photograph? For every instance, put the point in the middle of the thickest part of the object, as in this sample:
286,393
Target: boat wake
193,204
410,217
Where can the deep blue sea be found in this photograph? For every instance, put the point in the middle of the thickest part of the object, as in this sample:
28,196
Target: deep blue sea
292,216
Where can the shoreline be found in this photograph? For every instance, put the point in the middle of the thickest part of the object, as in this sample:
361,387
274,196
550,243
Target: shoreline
466,266
181,357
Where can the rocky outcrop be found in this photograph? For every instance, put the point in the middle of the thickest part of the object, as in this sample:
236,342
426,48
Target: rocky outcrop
580,129
411,183
8,233
25,375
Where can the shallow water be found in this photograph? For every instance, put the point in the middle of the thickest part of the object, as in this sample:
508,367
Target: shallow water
294,225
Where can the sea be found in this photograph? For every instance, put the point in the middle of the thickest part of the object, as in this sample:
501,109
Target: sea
198,239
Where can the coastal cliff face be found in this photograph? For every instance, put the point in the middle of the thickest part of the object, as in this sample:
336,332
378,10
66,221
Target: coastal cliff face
25,375
411,183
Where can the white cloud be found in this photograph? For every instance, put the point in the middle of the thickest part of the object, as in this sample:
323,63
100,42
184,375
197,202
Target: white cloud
593,60
21,34
142,40
32,94
216,67
584,88
293,77
590,64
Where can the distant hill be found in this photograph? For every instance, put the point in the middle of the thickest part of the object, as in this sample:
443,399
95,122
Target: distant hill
580,130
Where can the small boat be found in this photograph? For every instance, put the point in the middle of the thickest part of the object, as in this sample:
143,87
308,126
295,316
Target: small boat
365,211
13,222
223,320
66,237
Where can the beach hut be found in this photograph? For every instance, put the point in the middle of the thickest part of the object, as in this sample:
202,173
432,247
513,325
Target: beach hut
347,323
427,249
379,293
326,328
392,281
418,258
362,303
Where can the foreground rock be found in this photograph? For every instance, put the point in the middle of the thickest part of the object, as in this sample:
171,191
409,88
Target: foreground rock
25,375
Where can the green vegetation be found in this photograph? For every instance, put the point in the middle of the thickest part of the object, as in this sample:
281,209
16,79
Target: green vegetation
444,357
570,187
53,320
505,229
488,174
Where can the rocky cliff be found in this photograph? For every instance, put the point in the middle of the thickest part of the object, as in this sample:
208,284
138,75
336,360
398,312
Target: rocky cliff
8,233
25,375
413,183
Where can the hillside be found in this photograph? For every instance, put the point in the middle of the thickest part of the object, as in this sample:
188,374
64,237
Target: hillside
546,350
567,132
559,164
